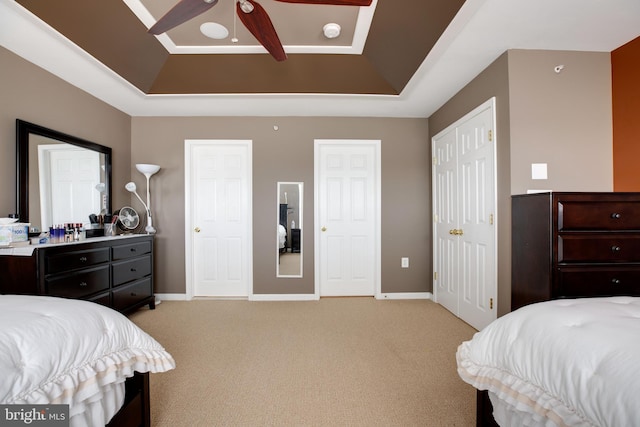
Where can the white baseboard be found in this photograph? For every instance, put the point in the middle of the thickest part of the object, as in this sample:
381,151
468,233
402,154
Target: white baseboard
406,295
171,297
302,297
283,297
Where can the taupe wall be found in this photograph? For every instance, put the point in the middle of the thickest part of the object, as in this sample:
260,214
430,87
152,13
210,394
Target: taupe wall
563,119
493,81
287,155
35,95
32,94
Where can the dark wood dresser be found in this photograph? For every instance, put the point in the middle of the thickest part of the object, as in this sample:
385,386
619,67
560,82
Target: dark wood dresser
112,271
570,245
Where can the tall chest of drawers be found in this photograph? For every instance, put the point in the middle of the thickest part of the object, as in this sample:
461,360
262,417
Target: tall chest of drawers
114,271
570,245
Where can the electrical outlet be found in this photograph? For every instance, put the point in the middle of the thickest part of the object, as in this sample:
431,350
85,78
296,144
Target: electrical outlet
404,262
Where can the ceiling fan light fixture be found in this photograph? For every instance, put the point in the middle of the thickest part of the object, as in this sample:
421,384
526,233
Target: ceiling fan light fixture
213,30
246,6
331,30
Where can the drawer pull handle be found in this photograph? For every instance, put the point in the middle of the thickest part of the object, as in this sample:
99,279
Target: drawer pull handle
615,248
83,259
133,294
133,270
615,215
133,249
615,281
83,283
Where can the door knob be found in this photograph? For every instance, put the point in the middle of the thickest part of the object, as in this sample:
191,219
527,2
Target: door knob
197,229
323,229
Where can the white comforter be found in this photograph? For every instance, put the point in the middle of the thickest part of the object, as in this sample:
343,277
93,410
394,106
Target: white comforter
564,362
55,350
282,236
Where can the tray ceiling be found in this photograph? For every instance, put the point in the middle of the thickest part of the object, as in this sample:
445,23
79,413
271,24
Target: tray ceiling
396,58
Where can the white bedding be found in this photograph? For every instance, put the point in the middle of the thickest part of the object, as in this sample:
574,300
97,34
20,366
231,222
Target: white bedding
55,350
282,236
564,362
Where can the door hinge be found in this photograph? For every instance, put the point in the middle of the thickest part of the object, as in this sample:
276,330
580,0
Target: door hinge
435,218
435,160
490,135
490,303
435,275
491,219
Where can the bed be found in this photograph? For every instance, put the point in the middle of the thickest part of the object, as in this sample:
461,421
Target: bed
282,238
568,362
87,356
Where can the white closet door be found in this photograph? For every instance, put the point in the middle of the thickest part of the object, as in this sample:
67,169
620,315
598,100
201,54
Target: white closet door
348,217
445,209
219,218
477,201
464,206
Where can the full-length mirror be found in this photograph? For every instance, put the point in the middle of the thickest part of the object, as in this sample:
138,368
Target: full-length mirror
60,178
289,235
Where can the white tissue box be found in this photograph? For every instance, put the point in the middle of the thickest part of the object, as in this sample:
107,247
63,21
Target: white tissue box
16,232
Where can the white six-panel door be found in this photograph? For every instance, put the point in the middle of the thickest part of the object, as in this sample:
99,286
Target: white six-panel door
218,218
445,210
347,217
464,205
70,175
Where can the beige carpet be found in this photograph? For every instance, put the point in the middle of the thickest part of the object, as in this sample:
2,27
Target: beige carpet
289,264
333,362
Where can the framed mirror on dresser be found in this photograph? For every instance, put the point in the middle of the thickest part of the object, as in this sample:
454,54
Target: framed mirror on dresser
60,178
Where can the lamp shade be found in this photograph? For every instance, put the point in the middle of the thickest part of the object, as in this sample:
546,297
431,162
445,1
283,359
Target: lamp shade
147,169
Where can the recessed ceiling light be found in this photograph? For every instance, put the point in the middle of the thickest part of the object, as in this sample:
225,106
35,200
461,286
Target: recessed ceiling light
331,30
214,30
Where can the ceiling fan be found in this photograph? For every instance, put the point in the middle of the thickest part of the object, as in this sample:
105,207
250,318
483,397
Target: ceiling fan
252,15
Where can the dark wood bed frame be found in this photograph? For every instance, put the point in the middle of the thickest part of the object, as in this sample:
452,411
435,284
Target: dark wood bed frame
484,410
136,411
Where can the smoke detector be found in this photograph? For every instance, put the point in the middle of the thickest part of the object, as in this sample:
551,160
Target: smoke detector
331,30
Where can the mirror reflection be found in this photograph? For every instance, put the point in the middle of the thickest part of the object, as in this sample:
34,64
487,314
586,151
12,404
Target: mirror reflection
62,179
289,229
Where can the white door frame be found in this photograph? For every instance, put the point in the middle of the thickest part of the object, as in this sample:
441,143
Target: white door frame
188,253
377,239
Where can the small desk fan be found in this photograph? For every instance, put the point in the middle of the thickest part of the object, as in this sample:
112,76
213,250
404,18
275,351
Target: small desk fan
128,219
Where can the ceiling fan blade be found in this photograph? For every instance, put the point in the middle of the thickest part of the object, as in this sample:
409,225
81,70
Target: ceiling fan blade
180,13
332,2
259,24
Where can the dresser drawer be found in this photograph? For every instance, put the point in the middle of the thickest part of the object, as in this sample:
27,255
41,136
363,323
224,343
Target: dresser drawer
130,250
127,295
102,299
126,271
599,248
79,284
598,281
55,263
598,215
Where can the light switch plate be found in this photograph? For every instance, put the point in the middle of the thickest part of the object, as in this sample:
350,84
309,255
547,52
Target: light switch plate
538,171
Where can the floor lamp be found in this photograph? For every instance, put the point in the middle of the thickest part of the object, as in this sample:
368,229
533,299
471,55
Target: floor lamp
147,170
